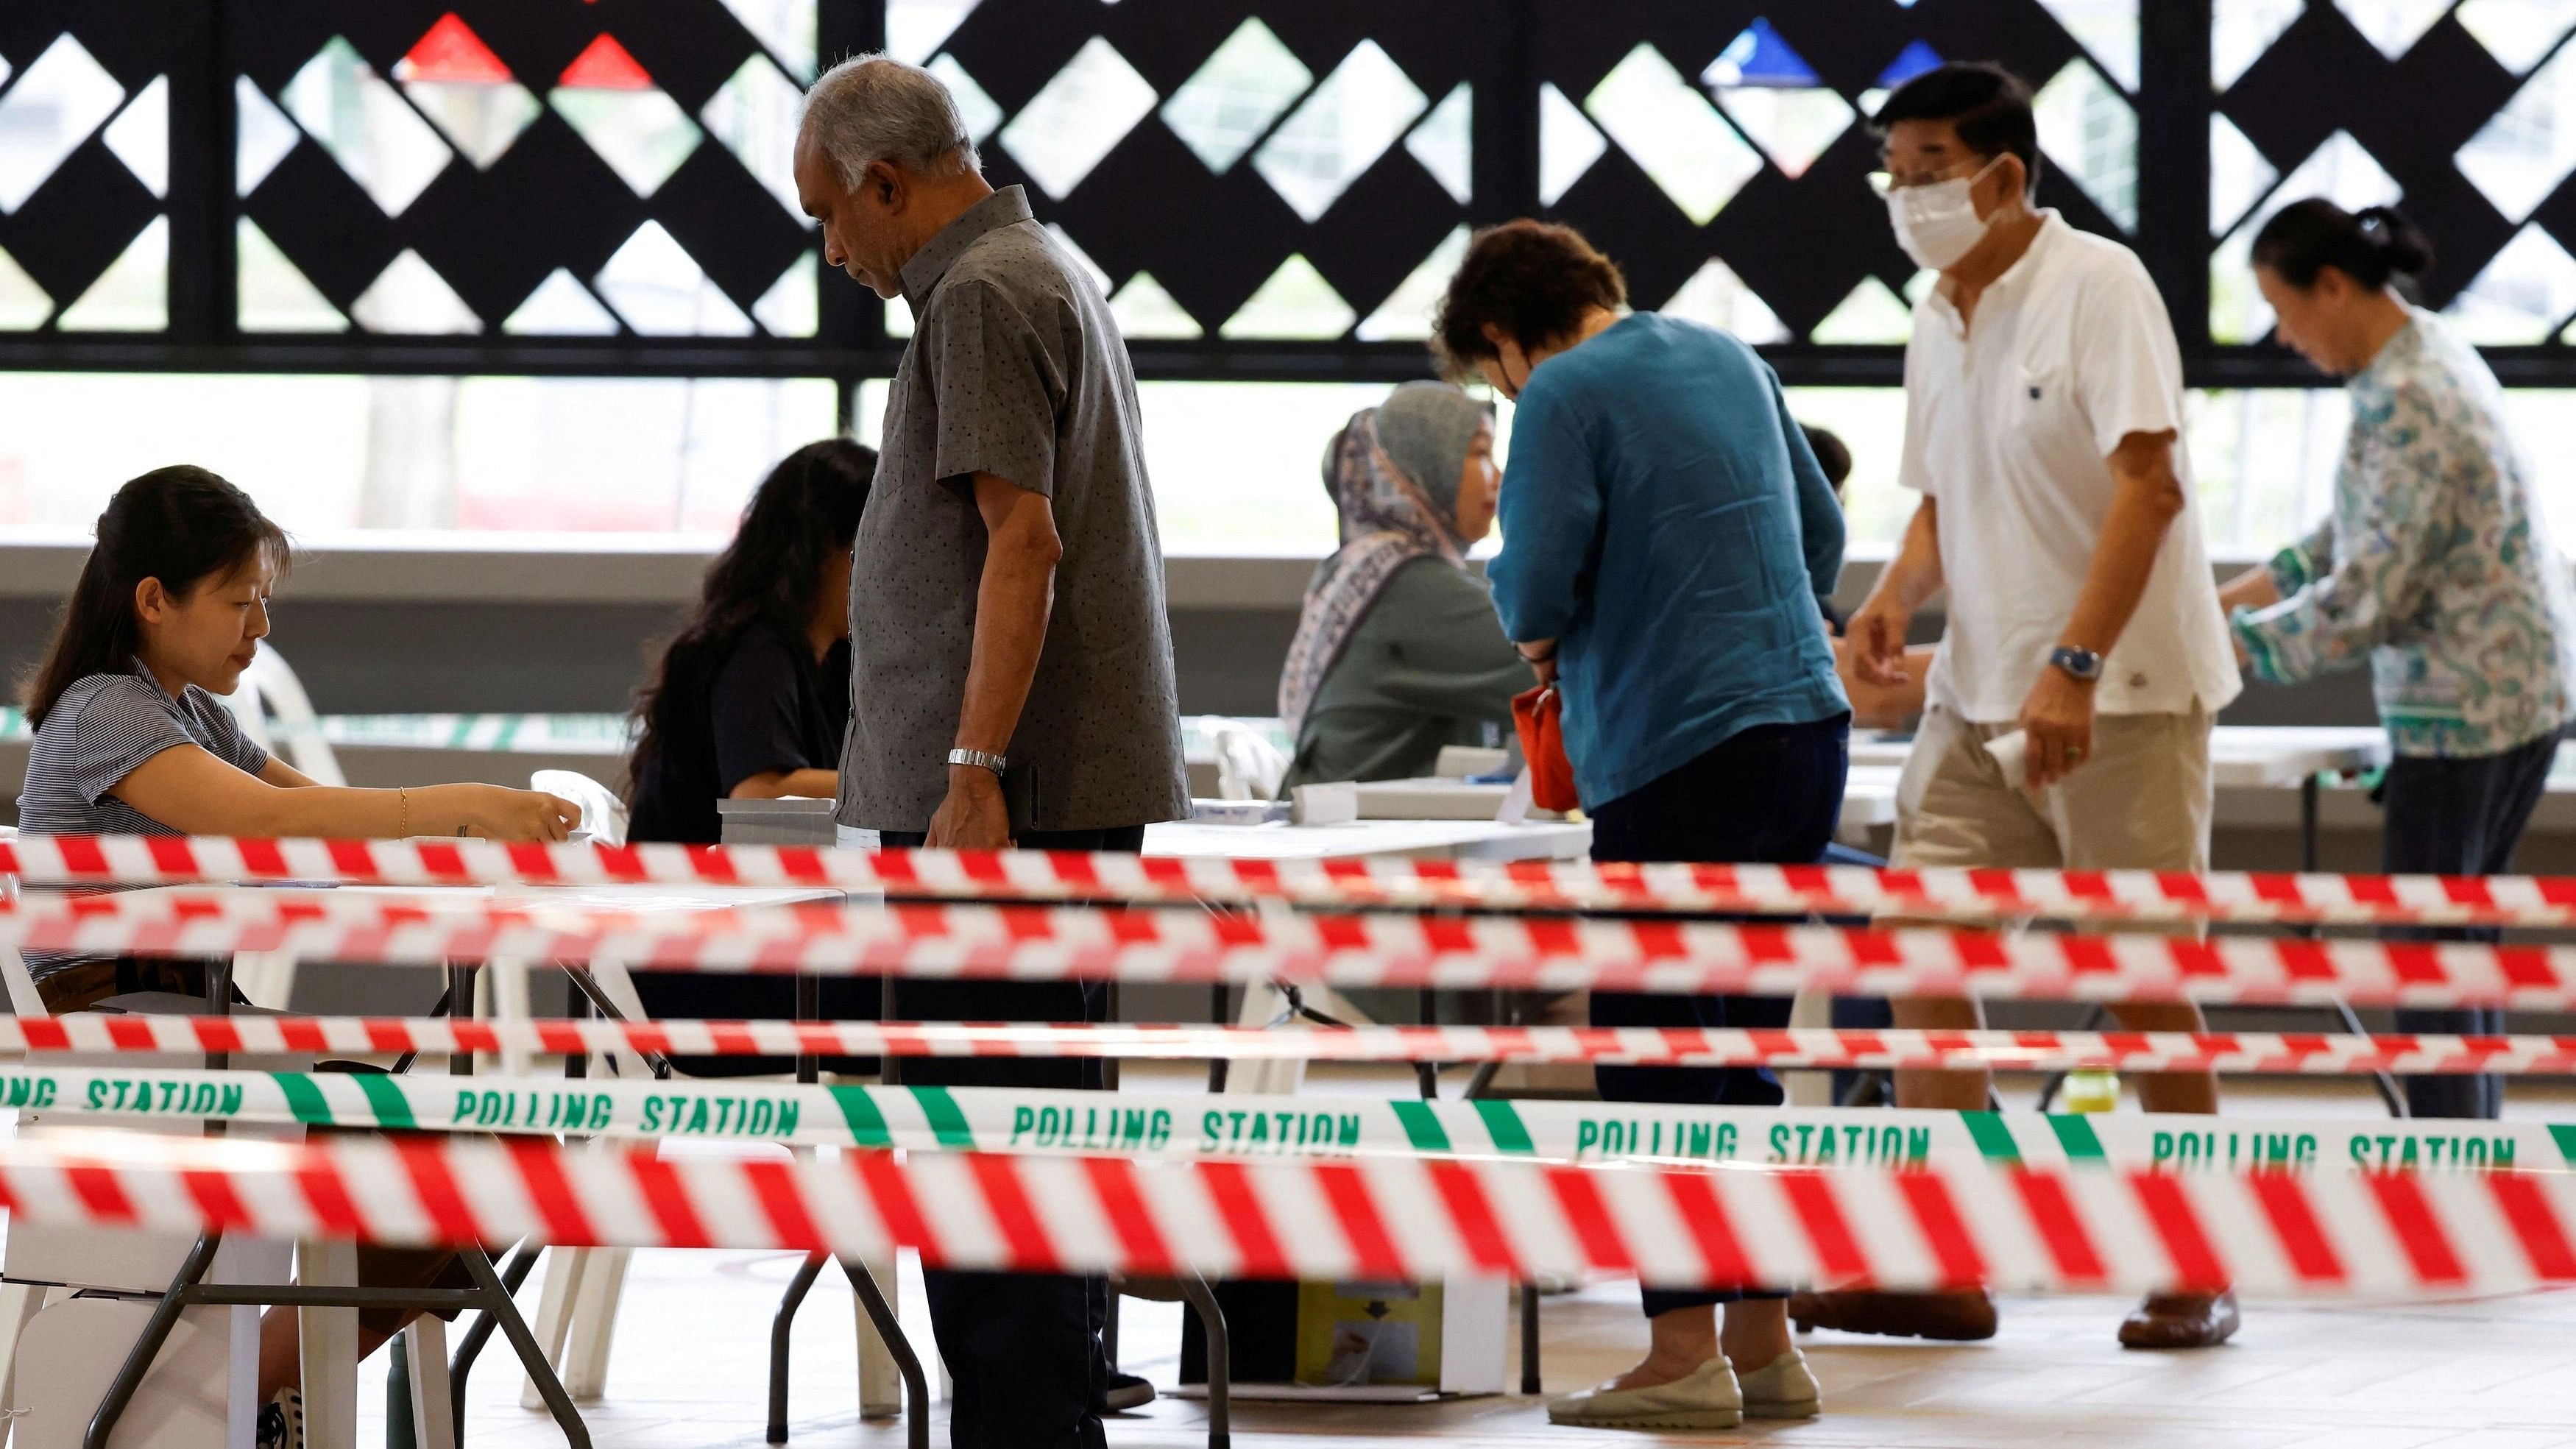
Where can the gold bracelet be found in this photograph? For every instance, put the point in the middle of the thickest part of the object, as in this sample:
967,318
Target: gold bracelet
402,816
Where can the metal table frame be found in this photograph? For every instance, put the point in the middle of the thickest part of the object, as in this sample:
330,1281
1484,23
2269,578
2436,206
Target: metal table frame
491,1294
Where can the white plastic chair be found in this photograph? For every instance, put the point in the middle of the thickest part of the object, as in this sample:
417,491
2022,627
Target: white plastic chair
1248,765
576,1319
271,705
269,690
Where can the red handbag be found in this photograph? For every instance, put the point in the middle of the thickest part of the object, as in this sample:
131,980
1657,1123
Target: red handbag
1537,717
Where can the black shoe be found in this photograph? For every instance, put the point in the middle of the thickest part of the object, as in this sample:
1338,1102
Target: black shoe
1126,1392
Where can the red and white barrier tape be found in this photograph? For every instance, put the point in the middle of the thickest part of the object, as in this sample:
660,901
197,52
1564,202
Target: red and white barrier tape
2328,1235
1388,949
2261,1053
1528,885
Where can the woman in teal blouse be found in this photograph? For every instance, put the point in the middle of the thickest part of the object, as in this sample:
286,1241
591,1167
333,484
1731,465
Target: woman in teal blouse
2436,568
1398,651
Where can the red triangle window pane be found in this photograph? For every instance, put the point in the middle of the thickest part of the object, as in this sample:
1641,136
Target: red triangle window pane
606,66
452,52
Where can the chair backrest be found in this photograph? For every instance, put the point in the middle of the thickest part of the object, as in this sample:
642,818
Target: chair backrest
1248,766
270,690
603,815
23,999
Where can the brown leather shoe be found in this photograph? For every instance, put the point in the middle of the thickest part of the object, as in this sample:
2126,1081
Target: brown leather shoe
1960,1317
2181,1320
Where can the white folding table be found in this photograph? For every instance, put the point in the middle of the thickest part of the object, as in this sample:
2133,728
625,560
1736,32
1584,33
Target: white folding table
329,1333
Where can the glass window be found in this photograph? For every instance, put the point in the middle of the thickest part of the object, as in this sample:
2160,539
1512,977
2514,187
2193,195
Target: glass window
1237,466
329,455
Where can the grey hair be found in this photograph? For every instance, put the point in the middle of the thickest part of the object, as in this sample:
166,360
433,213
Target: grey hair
874,108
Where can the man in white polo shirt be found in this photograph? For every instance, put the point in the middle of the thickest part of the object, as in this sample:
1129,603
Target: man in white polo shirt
2043,429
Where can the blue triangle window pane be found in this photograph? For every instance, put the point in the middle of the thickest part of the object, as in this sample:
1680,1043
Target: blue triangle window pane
1909,63
1759,57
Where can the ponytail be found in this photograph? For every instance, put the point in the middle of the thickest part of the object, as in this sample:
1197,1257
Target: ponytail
2375,246
181,525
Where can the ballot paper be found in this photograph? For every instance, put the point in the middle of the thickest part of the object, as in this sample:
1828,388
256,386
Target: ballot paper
2012,751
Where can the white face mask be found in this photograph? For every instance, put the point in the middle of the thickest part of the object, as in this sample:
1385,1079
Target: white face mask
1937,224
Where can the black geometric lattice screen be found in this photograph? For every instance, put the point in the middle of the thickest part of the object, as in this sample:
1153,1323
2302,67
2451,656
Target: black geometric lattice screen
521,167
2465,113
1723,154
1275,171
84,166
1270,186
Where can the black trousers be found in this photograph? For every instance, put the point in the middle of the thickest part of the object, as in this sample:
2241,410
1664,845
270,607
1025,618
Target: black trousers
1770,795
2459,817
1022,1348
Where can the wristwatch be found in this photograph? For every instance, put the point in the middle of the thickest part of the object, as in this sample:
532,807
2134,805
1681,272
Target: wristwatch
2081,664
982,761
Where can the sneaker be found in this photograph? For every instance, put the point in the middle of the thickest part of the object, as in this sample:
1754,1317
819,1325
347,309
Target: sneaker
281,1421
1126,1392
1705,1398
1784,1388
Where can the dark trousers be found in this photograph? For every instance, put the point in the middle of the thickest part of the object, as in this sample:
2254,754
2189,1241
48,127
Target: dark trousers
1023,1348
1769,795
2459,817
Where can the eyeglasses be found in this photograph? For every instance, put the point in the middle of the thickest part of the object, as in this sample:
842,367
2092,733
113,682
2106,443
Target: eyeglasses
1885,182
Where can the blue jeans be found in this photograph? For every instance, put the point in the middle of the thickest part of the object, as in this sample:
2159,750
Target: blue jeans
1770,795
2459,817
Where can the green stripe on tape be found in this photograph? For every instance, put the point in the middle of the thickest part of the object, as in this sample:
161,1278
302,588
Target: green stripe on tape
1993,1138
2077,1137
303,1098
1504,1125
947,1119
867,1124
393,1109
1421,1127
2566,1142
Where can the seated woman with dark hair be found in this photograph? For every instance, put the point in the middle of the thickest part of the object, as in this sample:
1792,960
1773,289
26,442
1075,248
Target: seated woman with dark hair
749,701
131,739
1398,650
751,696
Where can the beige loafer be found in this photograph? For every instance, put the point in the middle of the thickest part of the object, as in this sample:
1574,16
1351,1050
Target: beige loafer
1706,1398
1784,1388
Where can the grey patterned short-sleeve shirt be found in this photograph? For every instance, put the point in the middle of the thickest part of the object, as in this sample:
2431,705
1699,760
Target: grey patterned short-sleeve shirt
1015,369
103,727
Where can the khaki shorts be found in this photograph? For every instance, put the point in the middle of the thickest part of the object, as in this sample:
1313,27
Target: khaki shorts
2140,802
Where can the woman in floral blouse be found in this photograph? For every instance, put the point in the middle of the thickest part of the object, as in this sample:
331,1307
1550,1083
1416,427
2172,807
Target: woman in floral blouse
2436,566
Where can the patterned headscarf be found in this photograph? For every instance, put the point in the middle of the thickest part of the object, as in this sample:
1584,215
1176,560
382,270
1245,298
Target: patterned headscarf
1387,522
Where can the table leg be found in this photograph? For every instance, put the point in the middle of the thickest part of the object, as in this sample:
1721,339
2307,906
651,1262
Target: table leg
2308,824
329,1340
880,1377
510,1003
780,1341
1529,1339
432,1424
1220,1358
460,1005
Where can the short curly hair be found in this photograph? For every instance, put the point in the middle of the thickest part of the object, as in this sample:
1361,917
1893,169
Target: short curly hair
1533,281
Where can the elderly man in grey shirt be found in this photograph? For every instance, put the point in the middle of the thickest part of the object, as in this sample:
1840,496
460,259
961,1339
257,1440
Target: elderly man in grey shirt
1011,663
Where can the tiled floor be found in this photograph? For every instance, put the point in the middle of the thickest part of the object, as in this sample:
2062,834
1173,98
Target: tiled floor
2494,1374
2474,1375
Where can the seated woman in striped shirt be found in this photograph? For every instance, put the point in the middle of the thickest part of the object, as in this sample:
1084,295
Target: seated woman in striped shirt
131,740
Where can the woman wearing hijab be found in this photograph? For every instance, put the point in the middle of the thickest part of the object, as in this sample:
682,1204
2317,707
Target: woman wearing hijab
1398,651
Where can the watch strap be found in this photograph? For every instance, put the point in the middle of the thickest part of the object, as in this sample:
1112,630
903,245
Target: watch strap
2078,663
980,760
